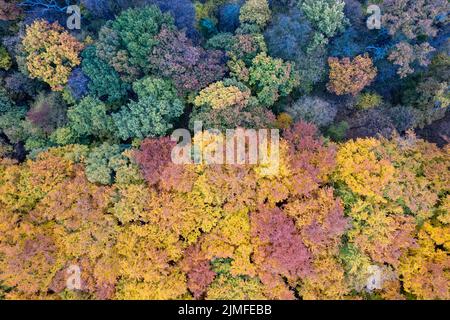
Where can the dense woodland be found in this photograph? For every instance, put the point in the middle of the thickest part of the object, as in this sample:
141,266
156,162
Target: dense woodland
360,205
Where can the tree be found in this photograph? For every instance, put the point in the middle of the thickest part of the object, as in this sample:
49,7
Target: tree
405,54
279,250
158,106
153,156
52,53
288,35
9,10
191,68
127,42
350,76
369,100
227,286
220,95
251,115
90,117
360,169
271,78
48,112
229,17
425,268
6,104
255,12
413,18
105,82
314,110
183,11
327,18
78,84
102,162
5,59
21,87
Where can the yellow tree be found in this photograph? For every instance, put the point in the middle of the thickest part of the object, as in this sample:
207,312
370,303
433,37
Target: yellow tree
51,52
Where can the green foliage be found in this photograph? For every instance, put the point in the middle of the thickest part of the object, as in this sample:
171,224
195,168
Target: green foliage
127,42
255,12
271,78
368,100
105,82
327,18
102,163
14,126
87,179
338,131
90,118
6,104
5,59
158,106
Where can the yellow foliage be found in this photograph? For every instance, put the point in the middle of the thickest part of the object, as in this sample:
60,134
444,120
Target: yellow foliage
425,270
52,53
219,96
361,168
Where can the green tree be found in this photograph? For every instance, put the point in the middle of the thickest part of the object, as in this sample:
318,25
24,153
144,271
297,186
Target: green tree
255,12
102,163
326,16
5,59
272,78
153,114
127,42
105,82
90,118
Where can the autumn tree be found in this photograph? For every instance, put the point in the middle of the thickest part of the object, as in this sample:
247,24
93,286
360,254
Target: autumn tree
350,76
9,10
413,18
190,67
405,55
255,12
51,52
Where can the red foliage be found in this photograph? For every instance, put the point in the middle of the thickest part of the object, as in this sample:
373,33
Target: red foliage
153,157
280,249
191,68
198,270
310,160
9,10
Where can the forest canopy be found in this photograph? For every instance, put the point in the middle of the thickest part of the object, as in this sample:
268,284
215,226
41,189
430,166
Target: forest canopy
358,208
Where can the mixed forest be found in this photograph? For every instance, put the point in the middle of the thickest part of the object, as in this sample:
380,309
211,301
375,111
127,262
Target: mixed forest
359,207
